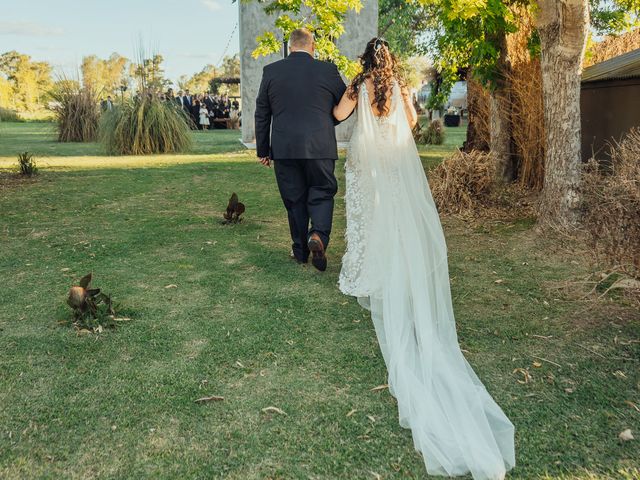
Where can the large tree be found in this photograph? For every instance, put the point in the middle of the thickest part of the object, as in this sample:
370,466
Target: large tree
149,73
563,28
29,80
104,76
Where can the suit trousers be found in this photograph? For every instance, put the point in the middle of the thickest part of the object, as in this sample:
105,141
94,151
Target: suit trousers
307,188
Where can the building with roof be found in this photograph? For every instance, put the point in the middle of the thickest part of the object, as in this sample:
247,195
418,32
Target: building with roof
609,103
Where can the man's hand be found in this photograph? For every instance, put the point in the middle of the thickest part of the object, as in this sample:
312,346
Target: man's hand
266,161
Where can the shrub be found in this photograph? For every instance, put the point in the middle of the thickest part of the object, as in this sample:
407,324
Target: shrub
76,112
145,125
463,181
27,164
7,115
611,205
432,135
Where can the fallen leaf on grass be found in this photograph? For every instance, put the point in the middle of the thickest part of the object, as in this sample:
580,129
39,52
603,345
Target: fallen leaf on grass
352,412
625,435
273,410
379,388
171,286
499,281
212,398
619,374
371,418
632,405
526,376
537,364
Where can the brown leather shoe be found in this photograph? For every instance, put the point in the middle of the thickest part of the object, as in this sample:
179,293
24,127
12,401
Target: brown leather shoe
319,259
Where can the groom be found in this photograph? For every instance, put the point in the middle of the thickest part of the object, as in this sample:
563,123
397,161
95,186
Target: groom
295,128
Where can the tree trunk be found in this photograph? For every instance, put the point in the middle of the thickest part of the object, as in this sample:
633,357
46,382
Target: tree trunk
500,125
478,115
563,27
500,117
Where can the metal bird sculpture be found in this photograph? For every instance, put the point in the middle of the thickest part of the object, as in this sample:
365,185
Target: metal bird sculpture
84,300
234,210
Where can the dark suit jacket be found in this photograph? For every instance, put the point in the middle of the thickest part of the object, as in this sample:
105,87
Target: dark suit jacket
295,101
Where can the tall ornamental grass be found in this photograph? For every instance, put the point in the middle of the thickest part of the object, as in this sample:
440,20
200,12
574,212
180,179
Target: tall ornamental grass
145,125
77,112
7,115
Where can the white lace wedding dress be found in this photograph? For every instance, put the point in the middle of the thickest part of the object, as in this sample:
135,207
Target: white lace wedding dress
396,265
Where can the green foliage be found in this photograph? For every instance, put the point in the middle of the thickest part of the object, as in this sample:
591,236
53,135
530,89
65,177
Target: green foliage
27,164
403,24
25,82
325,20
76,112
145,125
611,17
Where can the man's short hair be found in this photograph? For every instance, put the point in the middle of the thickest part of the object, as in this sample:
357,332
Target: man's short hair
301,38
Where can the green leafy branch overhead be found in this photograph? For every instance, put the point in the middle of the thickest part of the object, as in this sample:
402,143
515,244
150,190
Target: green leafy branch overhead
324,18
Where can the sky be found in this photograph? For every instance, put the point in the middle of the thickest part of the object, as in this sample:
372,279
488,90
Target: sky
188,33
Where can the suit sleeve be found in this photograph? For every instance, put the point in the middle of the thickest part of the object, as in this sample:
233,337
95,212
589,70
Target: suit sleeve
338,88
263,118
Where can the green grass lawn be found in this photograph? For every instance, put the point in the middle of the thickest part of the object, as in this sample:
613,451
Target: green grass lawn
246,323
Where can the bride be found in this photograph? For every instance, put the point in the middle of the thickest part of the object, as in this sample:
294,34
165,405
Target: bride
396,265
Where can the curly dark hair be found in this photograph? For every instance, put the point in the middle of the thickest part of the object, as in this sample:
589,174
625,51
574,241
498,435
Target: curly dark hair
381,66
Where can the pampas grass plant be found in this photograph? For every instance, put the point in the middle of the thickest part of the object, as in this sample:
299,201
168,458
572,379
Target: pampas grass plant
7,115
145,125
76,111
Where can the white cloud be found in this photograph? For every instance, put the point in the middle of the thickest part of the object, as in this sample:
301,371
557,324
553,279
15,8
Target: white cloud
28,29
212,5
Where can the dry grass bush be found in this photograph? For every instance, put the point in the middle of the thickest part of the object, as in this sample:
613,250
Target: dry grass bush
524,82
612,46
76,112
463,181
143,126
611,205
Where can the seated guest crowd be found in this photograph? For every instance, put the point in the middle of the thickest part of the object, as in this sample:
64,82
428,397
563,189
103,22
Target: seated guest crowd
207,110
